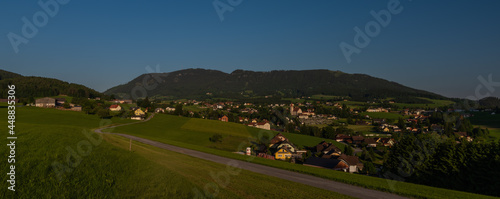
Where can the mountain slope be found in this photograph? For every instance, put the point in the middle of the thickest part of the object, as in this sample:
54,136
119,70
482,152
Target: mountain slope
8,75
32,87
196,83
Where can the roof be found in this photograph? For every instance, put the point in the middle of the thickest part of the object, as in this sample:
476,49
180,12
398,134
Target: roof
46,100
340,136
114,106
333,148
357,138
278,138
322,145
370,141
351,160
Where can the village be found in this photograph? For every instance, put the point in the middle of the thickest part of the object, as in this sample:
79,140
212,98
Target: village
359,137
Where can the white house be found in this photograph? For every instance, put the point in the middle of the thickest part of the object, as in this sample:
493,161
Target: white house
115,107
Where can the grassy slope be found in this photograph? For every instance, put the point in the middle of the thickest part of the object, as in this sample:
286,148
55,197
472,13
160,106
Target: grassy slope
110,171
194,134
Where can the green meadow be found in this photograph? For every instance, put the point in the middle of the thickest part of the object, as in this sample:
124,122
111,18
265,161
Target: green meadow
435,104
194,134
485,119
106,169
385,115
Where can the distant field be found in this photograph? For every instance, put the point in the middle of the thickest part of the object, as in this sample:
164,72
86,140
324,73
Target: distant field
361,128
295,100
352,104
485,119
111,171
325,97
173,130
495,133
194,108
385,115
435,103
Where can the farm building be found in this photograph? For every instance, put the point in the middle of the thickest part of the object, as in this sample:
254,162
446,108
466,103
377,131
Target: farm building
45,102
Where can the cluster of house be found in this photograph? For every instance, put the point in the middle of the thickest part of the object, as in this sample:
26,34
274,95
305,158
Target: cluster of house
137,113
331,157
370,142
377,110
262,125
297,111
49,102
281,148
328,155
121,101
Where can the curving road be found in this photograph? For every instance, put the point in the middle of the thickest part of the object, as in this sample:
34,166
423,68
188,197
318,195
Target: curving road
346,189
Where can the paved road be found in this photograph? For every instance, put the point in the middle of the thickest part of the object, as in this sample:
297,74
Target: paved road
322,183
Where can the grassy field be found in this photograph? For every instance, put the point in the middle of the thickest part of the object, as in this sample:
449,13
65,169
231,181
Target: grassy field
180,132
489,121
485,119
435,104
325,97
385,115
295,100
108,170
494,133
361,128
198,131
194,108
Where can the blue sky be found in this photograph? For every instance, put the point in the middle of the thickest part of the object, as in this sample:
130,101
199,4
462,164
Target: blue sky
442,47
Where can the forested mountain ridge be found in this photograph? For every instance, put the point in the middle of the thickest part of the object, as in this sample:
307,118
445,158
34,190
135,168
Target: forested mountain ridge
196,83
8,75
28,88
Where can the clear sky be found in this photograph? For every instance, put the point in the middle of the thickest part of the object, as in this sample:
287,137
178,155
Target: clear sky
438,46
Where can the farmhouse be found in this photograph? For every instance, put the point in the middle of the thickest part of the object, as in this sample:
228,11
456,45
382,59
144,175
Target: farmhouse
386,141
277,139
138,114
357,139
327,149
343,138
45,102
260,125
283,154
224,119
353,161
263,125
115,107
371,142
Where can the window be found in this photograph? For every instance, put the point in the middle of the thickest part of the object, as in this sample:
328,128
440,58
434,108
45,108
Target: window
279,156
